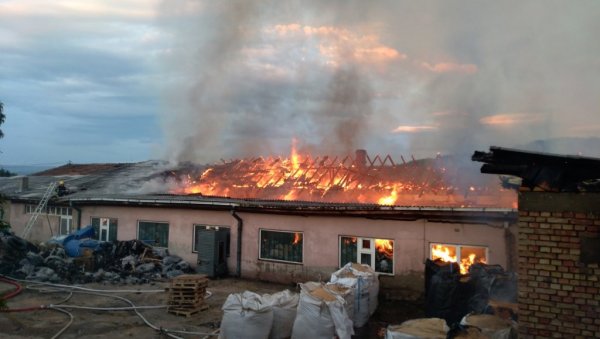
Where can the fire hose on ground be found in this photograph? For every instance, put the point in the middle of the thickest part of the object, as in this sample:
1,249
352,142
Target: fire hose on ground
59,307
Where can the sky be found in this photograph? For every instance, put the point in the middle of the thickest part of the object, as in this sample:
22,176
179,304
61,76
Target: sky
182,80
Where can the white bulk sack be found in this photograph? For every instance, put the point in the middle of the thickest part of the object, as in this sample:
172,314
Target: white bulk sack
491,326
347,293
246,315
428,328
365,283
321,314
284,305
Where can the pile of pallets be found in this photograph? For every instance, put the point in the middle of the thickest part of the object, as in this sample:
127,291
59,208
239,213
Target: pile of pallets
186,294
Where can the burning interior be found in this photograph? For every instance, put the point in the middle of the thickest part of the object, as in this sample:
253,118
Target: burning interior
377,253
351,179
465,256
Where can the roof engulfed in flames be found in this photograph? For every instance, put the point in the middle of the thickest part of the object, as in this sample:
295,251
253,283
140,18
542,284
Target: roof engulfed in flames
358,179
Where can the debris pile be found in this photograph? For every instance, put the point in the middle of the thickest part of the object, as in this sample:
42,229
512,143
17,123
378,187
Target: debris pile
75,260
451,295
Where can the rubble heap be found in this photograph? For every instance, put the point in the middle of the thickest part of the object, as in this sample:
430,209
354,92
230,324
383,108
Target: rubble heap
118,262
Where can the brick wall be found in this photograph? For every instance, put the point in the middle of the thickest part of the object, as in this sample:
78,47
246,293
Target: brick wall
559,296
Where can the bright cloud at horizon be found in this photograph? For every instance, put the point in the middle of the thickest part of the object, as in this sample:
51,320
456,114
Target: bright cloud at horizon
414,128
509,119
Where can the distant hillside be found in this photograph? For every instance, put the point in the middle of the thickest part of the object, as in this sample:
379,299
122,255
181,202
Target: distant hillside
25,170
589,147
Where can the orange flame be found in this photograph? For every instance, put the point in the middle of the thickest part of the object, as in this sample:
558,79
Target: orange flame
297,238
443,253
385,247
340,180
448,254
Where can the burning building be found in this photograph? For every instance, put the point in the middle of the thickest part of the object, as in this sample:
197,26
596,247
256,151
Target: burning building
285,219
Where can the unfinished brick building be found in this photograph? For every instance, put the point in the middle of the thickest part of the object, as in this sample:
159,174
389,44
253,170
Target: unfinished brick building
558,243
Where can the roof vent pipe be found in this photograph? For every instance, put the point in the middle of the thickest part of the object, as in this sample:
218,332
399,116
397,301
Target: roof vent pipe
24,183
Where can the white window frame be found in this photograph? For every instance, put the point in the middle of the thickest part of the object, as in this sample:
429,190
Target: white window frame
98,236
216,227
279,260
372,251
69,221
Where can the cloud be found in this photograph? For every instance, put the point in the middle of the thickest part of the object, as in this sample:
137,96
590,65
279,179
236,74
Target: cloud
447,67
70,8
414,129
510,119
339,45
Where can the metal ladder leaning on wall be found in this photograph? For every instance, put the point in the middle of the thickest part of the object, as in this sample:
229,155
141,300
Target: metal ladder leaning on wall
38,210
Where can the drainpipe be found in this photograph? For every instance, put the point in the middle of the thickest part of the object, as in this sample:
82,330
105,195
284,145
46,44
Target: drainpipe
78,213
240,226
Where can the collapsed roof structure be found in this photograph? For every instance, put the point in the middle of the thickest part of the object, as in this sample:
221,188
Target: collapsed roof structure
267,232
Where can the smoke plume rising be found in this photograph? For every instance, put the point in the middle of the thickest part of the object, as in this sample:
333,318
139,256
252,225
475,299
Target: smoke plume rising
398,77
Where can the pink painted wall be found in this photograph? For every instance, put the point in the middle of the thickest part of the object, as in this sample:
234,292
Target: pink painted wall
320,238
41,229
181,226
321,242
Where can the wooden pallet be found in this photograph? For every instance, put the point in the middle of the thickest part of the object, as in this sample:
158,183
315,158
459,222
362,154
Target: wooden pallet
187,312
185,290
186,294
189,279
189,284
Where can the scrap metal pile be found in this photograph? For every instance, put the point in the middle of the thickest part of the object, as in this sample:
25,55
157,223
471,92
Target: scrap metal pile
119,262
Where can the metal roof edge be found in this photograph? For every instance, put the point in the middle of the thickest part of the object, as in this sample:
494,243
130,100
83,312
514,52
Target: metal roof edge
270,206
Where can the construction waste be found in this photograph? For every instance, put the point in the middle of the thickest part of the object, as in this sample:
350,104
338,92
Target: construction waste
491,326
450,295
430,328
363,284
250,315
285,305
472,326
321,314
79,259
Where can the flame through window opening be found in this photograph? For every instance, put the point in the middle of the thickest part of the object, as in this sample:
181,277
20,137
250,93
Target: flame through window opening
377,253
464,255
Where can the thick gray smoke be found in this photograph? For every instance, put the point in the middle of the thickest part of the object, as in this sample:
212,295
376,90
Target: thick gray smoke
398,77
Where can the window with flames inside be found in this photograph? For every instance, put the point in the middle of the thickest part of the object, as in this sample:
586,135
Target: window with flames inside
281,246
377,253
464,255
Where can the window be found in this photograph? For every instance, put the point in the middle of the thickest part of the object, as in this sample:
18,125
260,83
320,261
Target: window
154,233
464,255
377,253
65,225
50,210
105,229
197,228
29,209
281,246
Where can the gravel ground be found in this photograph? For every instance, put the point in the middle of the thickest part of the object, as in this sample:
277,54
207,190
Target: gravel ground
126,324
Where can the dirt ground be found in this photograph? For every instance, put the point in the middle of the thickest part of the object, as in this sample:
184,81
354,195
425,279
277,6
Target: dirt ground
126,324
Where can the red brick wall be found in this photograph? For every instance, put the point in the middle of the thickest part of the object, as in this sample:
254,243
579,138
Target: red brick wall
558,295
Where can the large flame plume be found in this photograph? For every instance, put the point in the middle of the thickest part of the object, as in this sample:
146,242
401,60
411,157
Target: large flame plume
351,179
